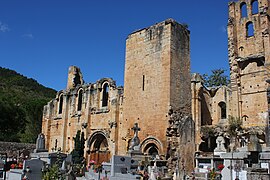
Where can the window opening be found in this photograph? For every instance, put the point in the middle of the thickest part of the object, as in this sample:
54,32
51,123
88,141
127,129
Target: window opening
222,106
60,104
143,82
250,29
243,8
255,7
105,95
79,106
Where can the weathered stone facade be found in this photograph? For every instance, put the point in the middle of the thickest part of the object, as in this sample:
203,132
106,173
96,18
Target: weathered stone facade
91,108
157,78
171,107
246,96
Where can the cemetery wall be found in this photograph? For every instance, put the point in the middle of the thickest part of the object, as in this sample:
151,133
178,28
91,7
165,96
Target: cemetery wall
15,149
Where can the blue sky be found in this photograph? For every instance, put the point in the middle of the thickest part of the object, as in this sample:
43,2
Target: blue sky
41,39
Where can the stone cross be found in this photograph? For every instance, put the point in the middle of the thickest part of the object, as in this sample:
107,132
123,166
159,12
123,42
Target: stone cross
136,129
135,141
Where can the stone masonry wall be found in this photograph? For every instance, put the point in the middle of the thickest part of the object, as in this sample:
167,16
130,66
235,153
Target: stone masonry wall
156,77
14,149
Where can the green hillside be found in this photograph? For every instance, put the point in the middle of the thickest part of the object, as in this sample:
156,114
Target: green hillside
21,104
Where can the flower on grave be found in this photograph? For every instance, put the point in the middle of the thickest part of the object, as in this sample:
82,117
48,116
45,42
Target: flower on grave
92,162
20,165
220,167
13,166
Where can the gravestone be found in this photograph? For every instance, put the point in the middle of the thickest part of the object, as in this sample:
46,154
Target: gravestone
122,164
40,144
135,141
3,161
220,146
33,168
119,168
253,144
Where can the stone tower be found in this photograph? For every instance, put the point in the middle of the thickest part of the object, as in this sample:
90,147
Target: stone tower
157,78
249,58
74,77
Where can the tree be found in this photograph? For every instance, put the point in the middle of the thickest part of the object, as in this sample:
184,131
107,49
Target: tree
12,120
78,151
34,114
217,78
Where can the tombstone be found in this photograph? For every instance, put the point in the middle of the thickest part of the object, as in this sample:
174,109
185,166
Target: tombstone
135,148
40,144
3,160
135,141
233,165
32,170
121,164
220,146
253,144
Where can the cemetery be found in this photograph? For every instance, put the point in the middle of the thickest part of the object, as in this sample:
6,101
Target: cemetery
166,123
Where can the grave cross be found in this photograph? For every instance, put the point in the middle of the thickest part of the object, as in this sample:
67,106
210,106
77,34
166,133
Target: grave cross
136,129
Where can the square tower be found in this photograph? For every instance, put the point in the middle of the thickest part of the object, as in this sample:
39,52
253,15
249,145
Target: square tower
249,58
157,77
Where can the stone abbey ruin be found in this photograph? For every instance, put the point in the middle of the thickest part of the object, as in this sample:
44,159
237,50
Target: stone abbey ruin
166,111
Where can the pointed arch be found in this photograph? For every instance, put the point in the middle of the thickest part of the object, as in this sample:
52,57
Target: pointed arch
98,147
151,146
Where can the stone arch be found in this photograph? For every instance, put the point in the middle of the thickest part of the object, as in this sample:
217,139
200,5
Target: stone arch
105,94
151,146
254,7
98,147
222,110
243,9
249,29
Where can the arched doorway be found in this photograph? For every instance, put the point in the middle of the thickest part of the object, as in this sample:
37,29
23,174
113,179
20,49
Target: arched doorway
151,149
98,148
152,146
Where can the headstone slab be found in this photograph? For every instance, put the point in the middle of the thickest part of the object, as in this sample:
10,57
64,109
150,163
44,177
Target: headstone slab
253,144
33,168
122,164
265,155
40,144
235,155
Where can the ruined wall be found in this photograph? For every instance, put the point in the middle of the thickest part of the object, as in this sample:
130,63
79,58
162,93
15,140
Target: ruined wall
221,102
91,108
156,77
248,57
